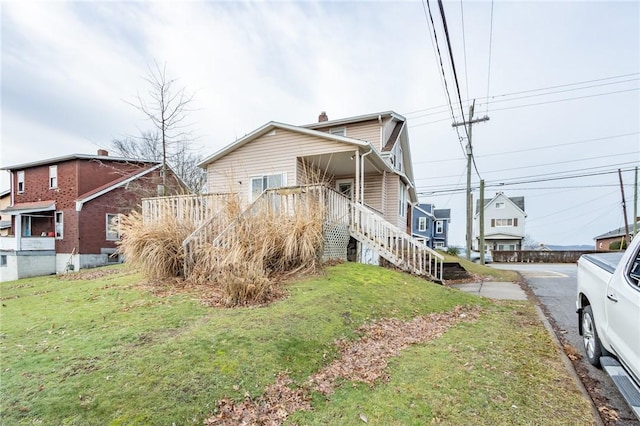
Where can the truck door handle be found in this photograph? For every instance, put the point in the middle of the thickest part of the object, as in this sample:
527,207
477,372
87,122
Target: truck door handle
612,297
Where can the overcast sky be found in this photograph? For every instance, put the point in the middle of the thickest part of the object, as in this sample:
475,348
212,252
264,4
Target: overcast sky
559,81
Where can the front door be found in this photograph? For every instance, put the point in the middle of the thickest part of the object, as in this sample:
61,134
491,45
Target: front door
345,187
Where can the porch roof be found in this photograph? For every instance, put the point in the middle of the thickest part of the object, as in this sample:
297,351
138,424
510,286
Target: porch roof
32,207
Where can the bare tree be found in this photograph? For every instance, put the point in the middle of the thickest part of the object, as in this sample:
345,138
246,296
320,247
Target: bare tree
170,140
529,243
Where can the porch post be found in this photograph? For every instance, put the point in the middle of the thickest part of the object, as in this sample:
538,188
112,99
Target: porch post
357,185
18,231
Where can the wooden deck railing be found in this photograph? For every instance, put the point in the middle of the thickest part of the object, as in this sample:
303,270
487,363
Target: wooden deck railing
196,208
394,244
365,224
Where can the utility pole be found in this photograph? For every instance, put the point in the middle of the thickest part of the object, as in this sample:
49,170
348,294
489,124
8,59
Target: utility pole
624,211
635,205
469,152
481,230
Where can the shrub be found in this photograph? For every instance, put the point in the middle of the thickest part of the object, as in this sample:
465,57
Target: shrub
620,244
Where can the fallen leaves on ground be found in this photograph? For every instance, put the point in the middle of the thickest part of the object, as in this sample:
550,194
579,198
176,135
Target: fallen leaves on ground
364,361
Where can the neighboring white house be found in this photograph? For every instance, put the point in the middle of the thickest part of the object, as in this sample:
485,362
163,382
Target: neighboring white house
504,221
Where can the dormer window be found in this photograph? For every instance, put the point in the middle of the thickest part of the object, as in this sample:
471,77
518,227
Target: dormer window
53,177
338,131
20,176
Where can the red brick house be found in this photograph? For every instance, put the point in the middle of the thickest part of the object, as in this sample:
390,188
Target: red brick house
65,211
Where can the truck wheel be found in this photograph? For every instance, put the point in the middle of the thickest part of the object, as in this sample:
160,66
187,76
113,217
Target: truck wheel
590,339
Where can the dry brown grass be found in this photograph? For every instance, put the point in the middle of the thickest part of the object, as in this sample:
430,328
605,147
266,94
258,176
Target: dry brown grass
276,237
154,248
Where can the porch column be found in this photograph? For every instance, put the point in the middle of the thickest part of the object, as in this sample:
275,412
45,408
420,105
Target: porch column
357,188
18,231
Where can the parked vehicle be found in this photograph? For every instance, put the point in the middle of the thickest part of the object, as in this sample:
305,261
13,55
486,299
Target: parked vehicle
608,307
475,256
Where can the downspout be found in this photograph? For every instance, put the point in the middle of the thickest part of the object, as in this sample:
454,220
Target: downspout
357,161
381,132
362,172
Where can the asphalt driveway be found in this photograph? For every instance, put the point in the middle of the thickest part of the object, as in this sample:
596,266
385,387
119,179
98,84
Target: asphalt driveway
554,286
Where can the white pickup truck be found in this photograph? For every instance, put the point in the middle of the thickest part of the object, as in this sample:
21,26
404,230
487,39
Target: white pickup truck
608,306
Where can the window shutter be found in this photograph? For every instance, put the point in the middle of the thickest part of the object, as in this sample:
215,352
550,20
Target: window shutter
493,223
515,221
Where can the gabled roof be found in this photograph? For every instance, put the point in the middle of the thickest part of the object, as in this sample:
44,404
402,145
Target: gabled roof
442,213
57,160
275,125
425,210
352,120
620,232
101,190
516,201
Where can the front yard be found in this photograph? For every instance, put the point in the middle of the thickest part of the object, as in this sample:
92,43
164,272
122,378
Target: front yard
108,349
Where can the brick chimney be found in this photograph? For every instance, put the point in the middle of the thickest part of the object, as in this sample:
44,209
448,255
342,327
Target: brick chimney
323,117
103,152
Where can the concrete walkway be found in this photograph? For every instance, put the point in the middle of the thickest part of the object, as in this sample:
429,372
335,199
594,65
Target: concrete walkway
494,290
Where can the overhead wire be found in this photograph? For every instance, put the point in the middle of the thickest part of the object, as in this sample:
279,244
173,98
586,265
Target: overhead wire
546,88
444,78
489,66
531,149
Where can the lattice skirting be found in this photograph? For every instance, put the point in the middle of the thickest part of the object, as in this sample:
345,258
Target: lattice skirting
336,239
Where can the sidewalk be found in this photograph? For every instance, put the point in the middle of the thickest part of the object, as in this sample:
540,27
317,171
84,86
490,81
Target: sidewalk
494,290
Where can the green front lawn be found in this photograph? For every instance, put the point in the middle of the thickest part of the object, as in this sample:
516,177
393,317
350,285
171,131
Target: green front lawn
108,351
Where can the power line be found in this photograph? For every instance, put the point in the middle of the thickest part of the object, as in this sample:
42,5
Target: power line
541,178
444,78
531,149
464,49
542,103
541,89
489,67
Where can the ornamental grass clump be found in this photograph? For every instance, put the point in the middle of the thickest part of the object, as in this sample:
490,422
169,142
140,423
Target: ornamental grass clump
155,248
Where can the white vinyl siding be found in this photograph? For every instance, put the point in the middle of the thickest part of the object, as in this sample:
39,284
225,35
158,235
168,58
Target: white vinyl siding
268,154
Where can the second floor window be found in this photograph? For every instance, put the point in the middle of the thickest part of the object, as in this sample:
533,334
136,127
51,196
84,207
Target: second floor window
339,131
53,176
20,182
439,227
499,205
504,222
422,224
402,200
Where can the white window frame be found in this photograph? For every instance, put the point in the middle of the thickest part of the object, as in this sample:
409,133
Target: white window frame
283,176
107,231
439,226
20,178
58,225
499,205
439,244
402,200
339,131
343,181
53,177
422,223
3,260
504,223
